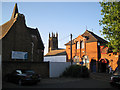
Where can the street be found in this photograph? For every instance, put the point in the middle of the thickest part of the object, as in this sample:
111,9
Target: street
65,83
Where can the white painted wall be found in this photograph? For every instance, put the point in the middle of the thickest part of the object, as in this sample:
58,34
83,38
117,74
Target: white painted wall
57,68
61,58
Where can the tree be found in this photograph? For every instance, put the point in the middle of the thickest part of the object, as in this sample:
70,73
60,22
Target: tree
111,25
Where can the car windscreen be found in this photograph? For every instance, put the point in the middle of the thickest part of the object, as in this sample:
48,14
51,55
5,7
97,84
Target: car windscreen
18,71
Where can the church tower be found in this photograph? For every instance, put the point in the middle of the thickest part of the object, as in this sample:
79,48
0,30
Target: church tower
53,42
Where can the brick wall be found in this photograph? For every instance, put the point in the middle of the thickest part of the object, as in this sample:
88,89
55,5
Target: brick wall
92,51
19,38
112,59
41,68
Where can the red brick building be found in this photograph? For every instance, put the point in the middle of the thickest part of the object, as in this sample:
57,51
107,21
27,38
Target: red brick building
108,57
86,48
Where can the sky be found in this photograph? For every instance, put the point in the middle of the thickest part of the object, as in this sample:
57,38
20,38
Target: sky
63,17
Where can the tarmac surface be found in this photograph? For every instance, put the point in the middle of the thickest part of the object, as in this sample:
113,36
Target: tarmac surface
95,81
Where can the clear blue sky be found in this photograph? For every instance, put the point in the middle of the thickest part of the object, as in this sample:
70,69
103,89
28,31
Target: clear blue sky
61,17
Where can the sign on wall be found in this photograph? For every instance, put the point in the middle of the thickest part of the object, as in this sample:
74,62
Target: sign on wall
19,55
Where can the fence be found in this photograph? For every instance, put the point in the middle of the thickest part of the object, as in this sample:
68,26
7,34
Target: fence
57,68
41,68
46,69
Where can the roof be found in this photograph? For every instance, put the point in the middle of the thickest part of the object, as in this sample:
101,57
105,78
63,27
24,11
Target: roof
6,27
56,52
90,36
69,43
15,11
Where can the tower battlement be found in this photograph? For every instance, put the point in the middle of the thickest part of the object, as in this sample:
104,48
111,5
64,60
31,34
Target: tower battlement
53,42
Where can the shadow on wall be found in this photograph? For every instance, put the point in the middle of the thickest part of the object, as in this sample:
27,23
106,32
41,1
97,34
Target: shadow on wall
93,65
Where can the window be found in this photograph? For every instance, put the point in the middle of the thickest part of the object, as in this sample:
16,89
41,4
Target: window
82,44
78,45
33,36
98,43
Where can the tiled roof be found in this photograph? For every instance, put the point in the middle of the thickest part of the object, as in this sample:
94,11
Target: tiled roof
6,27
91,37
56,52
70,42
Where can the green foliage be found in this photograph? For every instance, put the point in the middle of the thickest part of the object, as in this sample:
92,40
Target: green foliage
75,71
111,23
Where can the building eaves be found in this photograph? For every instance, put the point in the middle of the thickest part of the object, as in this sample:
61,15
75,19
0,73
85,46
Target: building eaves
56,53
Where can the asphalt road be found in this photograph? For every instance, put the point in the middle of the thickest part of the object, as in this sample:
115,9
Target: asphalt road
65,83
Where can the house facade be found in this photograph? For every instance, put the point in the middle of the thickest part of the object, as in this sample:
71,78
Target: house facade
108,57
86,50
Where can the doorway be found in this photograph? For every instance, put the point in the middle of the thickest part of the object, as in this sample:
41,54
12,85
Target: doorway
103,63
103,67
93,65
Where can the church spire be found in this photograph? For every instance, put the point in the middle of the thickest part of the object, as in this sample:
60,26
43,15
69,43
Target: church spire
15,11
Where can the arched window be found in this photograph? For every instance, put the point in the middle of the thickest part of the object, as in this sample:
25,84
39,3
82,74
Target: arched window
82,44
78,45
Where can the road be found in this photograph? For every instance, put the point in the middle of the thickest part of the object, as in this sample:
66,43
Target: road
65,83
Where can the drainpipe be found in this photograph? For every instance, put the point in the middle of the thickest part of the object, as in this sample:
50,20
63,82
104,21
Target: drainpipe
71,48
32,51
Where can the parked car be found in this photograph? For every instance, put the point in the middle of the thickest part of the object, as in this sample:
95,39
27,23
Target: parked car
115,78
23,76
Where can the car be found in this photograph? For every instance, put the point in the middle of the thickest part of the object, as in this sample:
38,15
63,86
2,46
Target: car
115,79
23,76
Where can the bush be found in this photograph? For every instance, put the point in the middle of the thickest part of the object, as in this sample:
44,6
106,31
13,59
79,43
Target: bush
76,71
